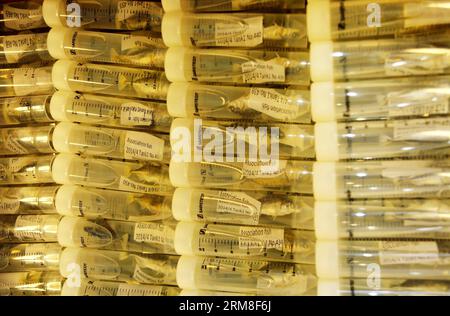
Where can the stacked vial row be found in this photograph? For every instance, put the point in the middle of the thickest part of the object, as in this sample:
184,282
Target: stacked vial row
238,77
117,230
380,97
28,249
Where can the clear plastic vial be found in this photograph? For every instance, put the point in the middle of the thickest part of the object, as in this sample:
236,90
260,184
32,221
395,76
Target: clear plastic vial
371,59
33,283
383,218
26,140
106,79
21,15
108,142
416,260
25,110
269,209
383,139
247,30
29,257
343,20
230,5
244,140
71,200
382,179
136,49
28,228
380,99
141,177
24,48
28,200
109,111
237,66
224,102
26,170
25,81
104,14
108,288
246,276
278,244
282,175
383,287
206,293
139,237
77,264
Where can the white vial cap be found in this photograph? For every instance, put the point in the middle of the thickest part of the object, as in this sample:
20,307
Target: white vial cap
187,272
326,220
66,228
327,259
325,181
184,125
193,293
177,64
58,104
327,287
52,11
318,18
171,5
172,29
322,68
60,73
322,102
181,204
69,289
55,42
61,136
61,167
326,141
67,259
178,103
179,174
63,200
186,234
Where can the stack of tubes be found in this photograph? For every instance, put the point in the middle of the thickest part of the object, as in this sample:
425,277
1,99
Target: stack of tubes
224,147
380,97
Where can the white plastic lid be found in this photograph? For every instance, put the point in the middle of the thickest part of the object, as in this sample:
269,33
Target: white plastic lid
60,73
327,287
61,136
58,104
326,220
60,168
178,64
184,124
172,5
69,289
325,181
173,30
187,272
181,204
55,42
178,102
193,293
52,11
318,18
327,259
63,200
66,227
326,141
322,102
322,68
186,234
68,258
179,174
